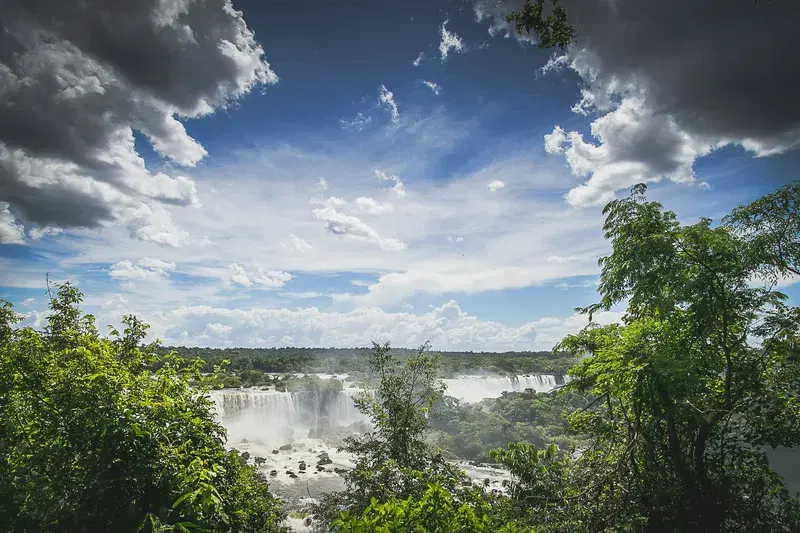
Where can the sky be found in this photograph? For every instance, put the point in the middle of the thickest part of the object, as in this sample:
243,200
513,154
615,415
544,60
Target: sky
332,173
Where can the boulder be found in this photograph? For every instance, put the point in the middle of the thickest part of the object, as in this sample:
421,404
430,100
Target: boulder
275,451
245,455
302,467
273,473
285,447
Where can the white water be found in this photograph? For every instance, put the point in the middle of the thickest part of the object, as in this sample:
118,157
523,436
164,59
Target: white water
273,418
476,388
260,421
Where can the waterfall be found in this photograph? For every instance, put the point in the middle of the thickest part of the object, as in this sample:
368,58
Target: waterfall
287,408
476,388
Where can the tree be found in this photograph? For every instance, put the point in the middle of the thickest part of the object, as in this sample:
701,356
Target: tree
685,400
92,440
551,30
771,226
394,461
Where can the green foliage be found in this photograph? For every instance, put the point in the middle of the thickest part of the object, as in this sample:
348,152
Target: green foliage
550,30
684,404
470,431
771,226
394,460
91,440
436,511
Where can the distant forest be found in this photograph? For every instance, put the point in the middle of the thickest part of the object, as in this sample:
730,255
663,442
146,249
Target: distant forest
341,360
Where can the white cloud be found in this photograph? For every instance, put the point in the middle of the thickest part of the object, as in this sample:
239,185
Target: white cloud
218,330
448,327
419,59
297,245
450,41
358,123
156,264
432,86
398,188
304,295
11,231
237,275
260,278
331,201
322,184
342,224
556,63
69,107
386,99
250,217
495,185
373,207
634,146
39,232
147,270
27,302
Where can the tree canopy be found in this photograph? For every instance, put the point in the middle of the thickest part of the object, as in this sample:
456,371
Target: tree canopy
91,440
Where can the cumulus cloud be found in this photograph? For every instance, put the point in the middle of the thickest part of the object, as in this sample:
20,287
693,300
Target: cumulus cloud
27,302
371,206
297,244
146,270
433,86
450,41
353,227
11,231
260,278
664,92
398,188
386,99
447,326
495,185
72,95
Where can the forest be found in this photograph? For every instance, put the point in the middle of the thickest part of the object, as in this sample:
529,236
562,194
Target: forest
665,425
352,360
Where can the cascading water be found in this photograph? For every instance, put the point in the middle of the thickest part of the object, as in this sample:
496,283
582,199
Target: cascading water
476,388
291,407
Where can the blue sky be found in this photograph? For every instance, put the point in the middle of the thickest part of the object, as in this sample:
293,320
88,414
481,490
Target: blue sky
322,189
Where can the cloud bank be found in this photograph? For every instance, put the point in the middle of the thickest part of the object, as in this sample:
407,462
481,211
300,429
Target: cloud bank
78,79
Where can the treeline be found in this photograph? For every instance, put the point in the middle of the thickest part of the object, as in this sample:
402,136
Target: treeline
354,360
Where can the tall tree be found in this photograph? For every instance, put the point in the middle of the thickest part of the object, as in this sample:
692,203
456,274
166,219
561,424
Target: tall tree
700,376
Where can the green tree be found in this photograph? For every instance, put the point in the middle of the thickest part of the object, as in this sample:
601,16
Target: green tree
394,460
551,29
91,440
699,377
436,511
